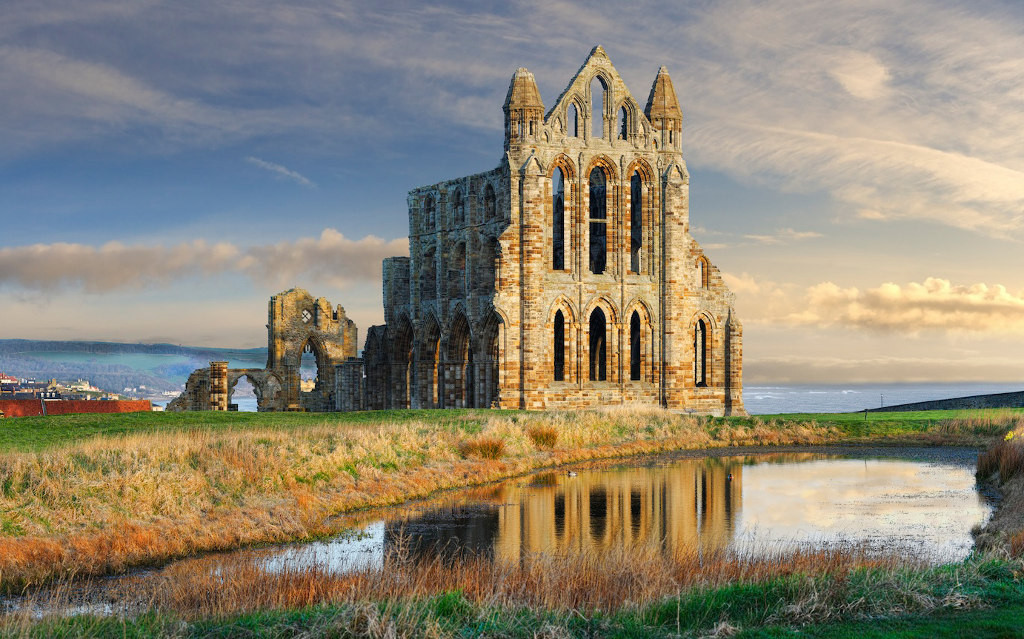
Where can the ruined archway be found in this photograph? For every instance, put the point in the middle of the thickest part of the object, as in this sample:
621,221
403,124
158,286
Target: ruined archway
429,371
401,364
459,370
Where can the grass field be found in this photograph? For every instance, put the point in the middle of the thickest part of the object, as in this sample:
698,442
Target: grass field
41,433
93,494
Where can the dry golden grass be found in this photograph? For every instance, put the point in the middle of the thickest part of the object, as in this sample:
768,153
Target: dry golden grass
612,581
543,436
1005,456
112,502
483,447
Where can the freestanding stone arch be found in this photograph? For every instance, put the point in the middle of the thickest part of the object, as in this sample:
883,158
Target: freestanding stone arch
296,322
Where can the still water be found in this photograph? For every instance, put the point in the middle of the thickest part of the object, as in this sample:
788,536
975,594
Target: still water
924,503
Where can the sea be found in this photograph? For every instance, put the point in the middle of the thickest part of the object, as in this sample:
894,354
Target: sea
824,398
847,398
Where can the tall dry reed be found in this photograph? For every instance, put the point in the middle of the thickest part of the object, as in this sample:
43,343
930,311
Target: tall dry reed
587,582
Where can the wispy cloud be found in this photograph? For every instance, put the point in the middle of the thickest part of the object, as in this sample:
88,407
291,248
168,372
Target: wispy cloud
330,258
783,236
280,171
907,115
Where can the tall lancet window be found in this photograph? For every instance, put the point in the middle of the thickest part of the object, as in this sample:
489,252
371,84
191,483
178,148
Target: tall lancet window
700,354
636,221
597,96
598,222
598,347
558,220
572,121
559,343
634,346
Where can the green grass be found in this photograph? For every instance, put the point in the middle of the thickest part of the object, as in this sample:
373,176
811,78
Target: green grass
993,623
751,610
32,434
39,433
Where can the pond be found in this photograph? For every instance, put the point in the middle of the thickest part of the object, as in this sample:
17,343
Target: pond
915,503
920,501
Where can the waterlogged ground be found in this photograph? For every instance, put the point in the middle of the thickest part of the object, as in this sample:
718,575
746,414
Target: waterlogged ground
921,501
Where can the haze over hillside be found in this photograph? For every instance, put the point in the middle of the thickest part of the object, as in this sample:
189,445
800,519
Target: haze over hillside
115,366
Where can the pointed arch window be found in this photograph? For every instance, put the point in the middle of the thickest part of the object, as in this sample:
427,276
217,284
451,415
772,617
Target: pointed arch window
598,94
459,208
635,347
457,273
490,203
428,275
622,123
572,121
702,272
429,213
559,343
598,222
598,347
700,354
558,220
636,221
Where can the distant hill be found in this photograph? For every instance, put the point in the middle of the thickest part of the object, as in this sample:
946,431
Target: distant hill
113,366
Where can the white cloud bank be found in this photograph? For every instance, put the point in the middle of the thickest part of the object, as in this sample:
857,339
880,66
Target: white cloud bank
934,305
331,259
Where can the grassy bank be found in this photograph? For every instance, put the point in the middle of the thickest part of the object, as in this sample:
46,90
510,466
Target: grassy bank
90,495
838,594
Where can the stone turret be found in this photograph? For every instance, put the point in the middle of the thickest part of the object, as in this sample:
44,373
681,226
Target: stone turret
524,110
663,111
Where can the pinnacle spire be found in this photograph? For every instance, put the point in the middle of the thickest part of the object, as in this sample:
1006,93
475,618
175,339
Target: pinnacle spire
662,102
522,91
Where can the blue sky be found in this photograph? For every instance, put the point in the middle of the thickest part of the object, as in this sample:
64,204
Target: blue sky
857,167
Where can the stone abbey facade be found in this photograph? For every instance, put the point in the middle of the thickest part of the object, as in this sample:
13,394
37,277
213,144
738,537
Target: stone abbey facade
564,278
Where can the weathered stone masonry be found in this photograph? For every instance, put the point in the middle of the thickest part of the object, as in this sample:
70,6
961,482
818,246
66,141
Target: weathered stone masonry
296,323
566,277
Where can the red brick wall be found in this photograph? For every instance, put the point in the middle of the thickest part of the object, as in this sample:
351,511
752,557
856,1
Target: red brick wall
21,407
31,407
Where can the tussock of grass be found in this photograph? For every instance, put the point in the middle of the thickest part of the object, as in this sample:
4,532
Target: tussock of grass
483,447
543,436
1006,455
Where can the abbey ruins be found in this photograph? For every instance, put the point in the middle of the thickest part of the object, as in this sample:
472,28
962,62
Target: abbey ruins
564,278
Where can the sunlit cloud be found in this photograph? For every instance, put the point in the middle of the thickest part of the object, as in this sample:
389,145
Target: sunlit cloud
331,259
935,305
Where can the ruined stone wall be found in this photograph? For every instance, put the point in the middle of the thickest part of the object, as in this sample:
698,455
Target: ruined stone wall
296,323
471,316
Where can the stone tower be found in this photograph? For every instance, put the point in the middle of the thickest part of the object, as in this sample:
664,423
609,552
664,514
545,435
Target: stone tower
567,276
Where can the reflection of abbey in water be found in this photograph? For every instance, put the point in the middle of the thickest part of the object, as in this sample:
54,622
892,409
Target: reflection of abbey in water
688,506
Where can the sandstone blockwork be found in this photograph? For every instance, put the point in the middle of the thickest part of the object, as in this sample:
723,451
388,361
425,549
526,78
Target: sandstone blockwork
296,324
564,278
